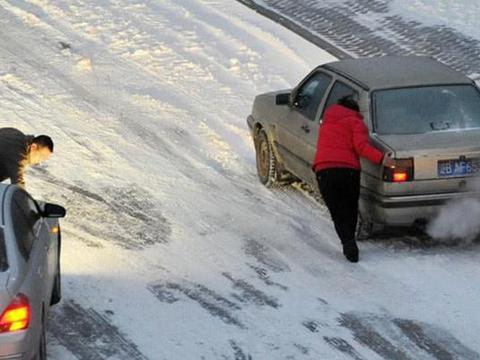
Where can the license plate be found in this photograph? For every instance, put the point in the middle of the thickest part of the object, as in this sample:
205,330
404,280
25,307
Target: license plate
458,167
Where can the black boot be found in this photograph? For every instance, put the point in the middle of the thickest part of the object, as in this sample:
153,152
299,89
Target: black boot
350,250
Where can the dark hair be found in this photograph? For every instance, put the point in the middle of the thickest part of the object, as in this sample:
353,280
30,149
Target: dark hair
43,140
349,102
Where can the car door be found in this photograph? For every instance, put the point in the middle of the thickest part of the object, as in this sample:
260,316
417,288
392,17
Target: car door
45,240
300,127
340,89
335,92
29,229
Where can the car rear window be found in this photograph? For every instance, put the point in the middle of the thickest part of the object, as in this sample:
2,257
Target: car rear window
426,109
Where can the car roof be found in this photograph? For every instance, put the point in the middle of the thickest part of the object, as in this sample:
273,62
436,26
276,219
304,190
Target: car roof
389,72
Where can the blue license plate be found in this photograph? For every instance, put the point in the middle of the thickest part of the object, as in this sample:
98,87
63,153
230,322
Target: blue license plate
458,167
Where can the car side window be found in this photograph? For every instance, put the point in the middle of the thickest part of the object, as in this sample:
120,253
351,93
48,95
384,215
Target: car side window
25,218
339,90
311,93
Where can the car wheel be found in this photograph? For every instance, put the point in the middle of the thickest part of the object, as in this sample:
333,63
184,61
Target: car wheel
364,228
266,161
367,229
42,346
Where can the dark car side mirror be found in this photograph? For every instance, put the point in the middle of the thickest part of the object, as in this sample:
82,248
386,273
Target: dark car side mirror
282,99
53,211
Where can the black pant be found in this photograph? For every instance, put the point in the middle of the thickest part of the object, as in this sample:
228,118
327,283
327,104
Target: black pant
340,189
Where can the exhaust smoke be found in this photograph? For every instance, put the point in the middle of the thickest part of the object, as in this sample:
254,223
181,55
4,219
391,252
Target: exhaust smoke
457,221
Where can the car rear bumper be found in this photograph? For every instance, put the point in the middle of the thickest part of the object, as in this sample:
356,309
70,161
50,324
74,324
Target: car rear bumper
407,210
16,346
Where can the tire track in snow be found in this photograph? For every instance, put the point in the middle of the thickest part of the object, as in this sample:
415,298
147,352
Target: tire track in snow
388,337
265,256
250,294
89,335
403,338
268,260
368,336
215,304
263,275
239,354
435,341
343,346
127,214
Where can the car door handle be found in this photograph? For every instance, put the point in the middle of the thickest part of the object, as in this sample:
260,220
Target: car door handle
305,128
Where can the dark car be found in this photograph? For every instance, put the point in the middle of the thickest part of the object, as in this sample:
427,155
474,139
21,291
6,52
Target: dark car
424,112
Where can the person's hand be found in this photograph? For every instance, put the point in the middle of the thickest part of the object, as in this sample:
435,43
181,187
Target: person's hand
388,160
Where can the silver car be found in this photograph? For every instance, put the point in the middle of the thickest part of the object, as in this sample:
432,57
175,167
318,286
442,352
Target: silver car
424,112
29,272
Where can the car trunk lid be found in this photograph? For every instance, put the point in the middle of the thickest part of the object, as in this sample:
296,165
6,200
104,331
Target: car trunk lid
433,153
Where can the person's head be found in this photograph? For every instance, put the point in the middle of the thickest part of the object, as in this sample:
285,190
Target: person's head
349,102
39,149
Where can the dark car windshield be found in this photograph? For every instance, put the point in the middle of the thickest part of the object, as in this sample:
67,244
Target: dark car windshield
426,109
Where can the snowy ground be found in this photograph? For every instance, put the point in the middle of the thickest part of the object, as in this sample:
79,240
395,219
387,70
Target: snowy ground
444,29
171,248
460,15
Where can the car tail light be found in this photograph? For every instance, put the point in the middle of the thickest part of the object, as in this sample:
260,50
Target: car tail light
16,316
402,172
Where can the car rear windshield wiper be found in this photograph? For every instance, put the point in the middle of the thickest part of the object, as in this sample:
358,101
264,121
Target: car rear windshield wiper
440,125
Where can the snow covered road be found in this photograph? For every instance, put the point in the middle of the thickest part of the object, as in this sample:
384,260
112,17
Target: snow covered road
172,249
446,30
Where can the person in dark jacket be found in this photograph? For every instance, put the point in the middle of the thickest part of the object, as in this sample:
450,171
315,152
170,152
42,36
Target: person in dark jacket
343,139
17,151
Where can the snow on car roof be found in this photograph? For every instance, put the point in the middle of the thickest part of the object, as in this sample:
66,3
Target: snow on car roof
397,71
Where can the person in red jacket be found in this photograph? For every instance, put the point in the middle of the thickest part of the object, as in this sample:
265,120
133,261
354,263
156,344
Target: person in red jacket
343,139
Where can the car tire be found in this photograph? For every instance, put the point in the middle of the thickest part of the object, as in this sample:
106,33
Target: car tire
266,160
364,228
42,346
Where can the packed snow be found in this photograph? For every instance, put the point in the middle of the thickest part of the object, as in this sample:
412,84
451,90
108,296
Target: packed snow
459,15
172,249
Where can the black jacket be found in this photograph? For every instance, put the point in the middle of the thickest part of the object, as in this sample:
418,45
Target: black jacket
13,155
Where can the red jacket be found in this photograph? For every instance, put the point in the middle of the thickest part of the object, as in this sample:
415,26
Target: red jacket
343,138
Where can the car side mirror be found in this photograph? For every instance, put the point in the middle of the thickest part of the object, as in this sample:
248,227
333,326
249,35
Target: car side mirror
282,99
53,211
